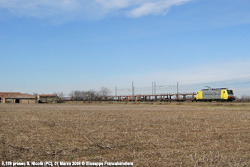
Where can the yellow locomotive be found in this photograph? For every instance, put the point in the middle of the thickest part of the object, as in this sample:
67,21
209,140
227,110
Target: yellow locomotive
215,94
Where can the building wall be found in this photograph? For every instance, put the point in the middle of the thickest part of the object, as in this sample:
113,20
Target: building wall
9,100
2,99
22,101
28,101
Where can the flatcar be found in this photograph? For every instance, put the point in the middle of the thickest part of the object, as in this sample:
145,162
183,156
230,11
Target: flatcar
215,94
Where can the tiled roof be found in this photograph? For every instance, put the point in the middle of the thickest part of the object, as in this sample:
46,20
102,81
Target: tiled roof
48,95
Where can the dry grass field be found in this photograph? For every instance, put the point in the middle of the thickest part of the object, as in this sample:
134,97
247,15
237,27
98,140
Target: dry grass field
167,134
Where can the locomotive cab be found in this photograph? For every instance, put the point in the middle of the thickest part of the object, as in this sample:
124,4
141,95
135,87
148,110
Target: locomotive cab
227,95
231,96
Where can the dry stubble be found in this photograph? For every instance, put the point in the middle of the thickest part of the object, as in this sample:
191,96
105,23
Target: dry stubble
177,134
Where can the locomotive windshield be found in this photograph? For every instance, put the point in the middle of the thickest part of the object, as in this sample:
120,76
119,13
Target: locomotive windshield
230,92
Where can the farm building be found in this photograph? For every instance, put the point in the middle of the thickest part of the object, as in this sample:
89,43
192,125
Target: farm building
48,98
17,97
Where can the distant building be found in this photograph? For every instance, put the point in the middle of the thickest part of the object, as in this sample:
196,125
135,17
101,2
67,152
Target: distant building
17,97
47,98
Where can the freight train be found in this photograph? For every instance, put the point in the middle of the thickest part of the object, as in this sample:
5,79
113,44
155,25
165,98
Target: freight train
211,94
215,94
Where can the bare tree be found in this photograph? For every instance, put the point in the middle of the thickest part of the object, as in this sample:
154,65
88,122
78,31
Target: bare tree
245,98
90,95
60,96
104,91
83,95
76,95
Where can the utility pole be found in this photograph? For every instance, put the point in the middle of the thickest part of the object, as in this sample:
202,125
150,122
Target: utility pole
155,88
177,91
116,91
152,88
133,89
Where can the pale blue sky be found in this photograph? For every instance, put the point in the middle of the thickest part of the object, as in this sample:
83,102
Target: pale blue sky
64,45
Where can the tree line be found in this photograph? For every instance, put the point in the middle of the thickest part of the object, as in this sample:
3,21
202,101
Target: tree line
78,95
243,98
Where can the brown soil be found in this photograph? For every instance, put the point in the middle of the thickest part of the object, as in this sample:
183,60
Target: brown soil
162,134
